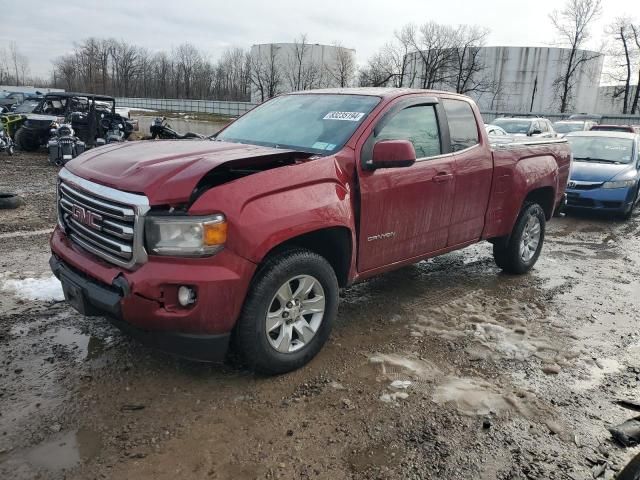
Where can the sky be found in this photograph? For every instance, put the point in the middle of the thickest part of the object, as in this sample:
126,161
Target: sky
45,30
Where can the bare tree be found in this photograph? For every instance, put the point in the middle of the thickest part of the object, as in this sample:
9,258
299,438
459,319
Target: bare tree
19,63
265,72
391,66
125,67
572,25
379,71
620,55
296,63
466,60
187,58
343,70
435,45
4,66
635,107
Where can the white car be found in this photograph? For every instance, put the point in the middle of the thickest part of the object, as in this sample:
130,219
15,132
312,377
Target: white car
563,127
526,127
495,131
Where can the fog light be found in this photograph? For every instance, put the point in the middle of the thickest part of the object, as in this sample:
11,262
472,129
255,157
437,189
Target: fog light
186,296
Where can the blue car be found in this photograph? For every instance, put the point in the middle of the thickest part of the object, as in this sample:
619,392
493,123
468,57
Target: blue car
605,172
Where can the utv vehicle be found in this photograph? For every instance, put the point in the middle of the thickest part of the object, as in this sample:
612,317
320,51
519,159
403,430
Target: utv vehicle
87,114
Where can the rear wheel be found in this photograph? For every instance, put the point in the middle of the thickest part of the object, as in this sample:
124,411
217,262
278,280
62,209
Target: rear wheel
520,252
27,140
288,313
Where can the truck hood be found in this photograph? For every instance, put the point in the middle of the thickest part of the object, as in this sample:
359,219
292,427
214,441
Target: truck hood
597,172
166,171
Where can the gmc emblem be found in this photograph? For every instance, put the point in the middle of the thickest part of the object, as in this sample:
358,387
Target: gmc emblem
86,217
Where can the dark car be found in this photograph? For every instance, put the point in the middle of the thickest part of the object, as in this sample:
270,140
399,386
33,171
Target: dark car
9,99
604,175
28,106
616,128
89,115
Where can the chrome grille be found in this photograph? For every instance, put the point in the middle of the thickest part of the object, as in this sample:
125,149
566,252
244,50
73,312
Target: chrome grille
104,221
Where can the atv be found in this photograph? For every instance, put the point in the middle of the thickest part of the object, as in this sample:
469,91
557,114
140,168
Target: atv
6,143
85,113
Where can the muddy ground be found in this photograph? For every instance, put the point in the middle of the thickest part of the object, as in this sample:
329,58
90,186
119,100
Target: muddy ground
447,369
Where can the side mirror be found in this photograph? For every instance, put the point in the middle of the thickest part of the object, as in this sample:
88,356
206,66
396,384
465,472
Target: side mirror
393,154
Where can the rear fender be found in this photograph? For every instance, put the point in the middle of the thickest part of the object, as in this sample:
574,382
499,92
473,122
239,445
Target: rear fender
512,188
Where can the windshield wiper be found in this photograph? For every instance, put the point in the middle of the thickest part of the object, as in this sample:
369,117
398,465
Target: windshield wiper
590,159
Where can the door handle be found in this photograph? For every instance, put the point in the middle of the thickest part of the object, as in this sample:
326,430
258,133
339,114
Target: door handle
443,177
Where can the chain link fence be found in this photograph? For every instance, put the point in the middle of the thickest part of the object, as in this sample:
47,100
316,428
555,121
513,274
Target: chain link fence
228,109
235,109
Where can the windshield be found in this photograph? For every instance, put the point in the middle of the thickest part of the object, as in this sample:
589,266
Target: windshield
4,94
601,149
564,127
27,106
317,123
513,126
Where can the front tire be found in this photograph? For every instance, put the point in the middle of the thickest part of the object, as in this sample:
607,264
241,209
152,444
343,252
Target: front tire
288,313
520,252
629,213
26,140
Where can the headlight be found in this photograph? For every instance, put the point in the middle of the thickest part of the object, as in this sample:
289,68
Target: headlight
619,184
186,236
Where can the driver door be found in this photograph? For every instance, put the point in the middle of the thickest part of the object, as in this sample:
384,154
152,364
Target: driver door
406,212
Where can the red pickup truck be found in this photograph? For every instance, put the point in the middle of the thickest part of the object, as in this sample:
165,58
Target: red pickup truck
248,236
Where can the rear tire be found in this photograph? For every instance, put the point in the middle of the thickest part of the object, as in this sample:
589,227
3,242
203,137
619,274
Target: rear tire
273,338
520,252
9,201
26,141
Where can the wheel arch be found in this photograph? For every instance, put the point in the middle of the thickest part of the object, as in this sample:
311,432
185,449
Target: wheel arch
543,196
335,244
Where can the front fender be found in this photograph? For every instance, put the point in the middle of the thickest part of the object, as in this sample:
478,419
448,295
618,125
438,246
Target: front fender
271,220
266,209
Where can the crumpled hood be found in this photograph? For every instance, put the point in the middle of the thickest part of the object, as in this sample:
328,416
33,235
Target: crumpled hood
597,172
166,171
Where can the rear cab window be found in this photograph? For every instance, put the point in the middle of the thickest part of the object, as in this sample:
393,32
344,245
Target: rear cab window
463,127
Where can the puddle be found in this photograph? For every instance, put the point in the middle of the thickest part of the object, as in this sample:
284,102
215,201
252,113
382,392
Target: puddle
86,347
65,451
376,456
62,452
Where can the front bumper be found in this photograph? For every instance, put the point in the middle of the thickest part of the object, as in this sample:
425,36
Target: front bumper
144,303
613,199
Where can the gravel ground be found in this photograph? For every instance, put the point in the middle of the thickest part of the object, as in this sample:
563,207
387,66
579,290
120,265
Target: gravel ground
447,369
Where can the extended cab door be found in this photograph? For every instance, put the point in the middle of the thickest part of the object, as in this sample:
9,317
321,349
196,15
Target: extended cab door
405,212
473,171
